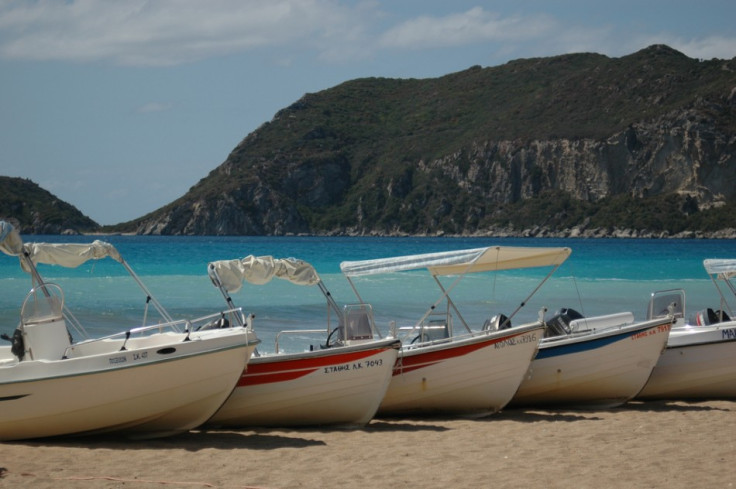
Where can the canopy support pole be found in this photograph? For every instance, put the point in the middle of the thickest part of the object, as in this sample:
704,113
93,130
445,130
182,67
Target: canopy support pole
523,303
218,283
150,296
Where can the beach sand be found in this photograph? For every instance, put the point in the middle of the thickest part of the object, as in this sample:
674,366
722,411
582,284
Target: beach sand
639,445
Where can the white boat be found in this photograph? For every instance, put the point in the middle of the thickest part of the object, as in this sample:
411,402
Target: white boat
148,381
468,371
595,362
699,362
340,382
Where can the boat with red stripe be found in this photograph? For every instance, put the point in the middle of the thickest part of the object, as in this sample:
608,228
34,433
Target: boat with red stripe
444,365
339,381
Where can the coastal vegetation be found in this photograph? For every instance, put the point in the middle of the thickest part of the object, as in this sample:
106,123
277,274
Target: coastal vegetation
578,144
37,211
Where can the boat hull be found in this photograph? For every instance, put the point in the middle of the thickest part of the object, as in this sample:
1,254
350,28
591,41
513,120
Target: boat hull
471,375
697,364
158,386
599,370
334,386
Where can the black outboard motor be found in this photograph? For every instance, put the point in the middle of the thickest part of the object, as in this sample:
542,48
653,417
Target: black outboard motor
709,316
18,346
559,324
219,323
497,322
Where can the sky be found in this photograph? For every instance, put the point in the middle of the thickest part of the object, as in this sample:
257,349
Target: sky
119,107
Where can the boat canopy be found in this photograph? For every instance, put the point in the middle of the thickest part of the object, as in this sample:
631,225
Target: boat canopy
260,270
461,261
10,241
70,255
724,268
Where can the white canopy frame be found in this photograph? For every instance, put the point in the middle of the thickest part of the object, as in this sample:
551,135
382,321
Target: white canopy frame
228,275
723,269
69,255
459,263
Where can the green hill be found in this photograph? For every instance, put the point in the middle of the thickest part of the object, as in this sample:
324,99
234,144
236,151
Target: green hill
644,142
36,211
579,144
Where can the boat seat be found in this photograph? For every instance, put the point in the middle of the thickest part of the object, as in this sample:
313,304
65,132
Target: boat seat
45,340
433,331
358,326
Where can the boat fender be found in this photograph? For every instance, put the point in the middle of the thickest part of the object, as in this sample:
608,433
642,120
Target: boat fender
17,347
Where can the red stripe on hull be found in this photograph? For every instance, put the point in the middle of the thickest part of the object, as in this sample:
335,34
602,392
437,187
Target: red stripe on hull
282,371
406,364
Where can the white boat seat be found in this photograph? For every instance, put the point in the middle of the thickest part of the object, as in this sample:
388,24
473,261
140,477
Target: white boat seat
358,325
45,340
435,330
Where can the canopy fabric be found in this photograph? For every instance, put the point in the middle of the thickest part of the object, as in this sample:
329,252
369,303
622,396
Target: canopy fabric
260,270
725,268
10,241
461,261
70,255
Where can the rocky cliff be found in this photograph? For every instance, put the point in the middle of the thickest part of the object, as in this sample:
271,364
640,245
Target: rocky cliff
569,144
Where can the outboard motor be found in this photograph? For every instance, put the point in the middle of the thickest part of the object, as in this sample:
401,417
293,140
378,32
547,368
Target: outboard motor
497,322
219,323
17,347
559,324
709,316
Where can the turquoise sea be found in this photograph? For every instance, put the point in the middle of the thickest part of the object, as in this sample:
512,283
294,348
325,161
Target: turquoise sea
601,276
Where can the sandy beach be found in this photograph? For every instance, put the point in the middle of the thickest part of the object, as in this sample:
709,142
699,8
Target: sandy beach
639,445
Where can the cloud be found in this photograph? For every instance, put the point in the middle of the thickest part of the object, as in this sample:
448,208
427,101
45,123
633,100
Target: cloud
166,32
706,48
173,32
473,26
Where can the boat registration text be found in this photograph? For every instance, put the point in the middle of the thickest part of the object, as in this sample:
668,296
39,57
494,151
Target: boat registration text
353,366
663,328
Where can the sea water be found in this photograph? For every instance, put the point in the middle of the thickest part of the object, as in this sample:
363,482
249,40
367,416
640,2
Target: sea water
602,276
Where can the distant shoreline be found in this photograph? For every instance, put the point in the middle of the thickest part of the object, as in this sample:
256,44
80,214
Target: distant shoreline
574,233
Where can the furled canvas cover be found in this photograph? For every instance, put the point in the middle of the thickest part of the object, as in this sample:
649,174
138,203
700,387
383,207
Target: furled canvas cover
261,269
70,255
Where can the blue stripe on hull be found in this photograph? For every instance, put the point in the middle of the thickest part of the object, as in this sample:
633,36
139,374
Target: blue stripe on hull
554,350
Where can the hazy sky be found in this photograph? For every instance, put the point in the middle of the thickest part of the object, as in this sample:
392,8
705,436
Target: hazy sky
119,107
